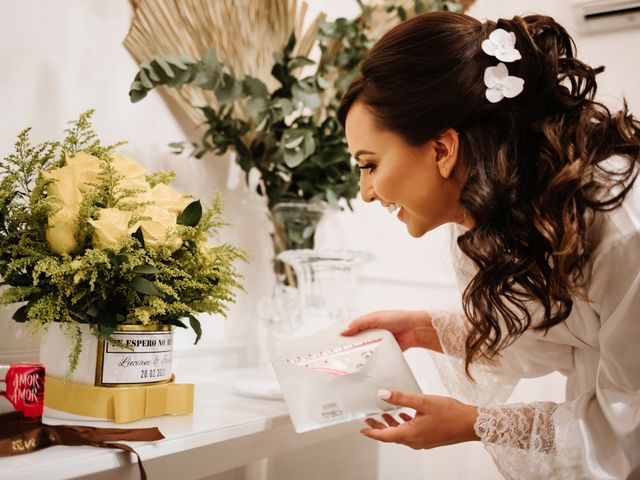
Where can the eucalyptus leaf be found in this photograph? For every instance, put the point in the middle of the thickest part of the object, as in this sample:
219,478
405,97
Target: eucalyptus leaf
106,329
161,61
175,322
291,43
20,315
262,124
332,198
191,215
229,90
177,147
298,62
255,87
107,322
139,236
117,259
145,269
310,99
177,63
294,143
292,158
322,82
256,106
197,328
151,72
144,79
283,104
181,77
210,60
144,286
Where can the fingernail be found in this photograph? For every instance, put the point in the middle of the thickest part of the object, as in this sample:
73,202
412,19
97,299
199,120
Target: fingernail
384,394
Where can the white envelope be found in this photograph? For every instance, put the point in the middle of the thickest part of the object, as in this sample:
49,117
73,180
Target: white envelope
328,379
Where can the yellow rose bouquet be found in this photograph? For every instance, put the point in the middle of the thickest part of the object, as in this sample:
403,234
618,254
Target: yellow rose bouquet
88,236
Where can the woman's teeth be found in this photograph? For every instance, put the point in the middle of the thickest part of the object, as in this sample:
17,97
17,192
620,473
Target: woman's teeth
392,207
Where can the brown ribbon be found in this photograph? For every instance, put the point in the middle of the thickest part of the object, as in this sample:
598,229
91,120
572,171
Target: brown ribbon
18,436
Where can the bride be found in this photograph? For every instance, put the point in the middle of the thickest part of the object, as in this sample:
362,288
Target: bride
492,127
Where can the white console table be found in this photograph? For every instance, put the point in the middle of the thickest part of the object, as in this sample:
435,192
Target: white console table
227,437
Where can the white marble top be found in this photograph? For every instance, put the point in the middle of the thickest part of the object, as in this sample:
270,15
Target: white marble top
225,431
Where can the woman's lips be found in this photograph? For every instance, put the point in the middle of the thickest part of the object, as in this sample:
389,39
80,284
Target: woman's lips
399,216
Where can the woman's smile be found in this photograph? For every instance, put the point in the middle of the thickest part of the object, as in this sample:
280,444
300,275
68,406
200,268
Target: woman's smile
406,179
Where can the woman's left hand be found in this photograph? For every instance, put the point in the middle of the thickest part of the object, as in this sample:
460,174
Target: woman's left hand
438,421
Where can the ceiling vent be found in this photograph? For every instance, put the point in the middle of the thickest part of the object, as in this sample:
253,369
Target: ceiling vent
606,15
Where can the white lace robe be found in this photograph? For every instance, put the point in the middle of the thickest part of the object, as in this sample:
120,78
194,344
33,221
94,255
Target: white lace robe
595,433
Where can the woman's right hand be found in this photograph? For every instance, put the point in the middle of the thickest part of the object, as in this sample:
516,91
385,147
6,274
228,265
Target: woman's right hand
410,328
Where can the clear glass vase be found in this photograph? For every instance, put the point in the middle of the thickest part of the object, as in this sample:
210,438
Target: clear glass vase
327,286
326,294
294,227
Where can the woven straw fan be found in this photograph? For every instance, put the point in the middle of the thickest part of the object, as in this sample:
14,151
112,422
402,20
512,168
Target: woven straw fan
244,36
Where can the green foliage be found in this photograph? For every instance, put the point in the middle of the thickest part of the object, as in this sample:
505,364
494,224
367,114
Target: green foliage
104,287
160,177
289,135
419,7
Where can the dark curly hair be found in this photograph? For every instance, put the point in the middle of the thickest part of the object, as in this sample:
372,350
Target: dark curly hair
536,162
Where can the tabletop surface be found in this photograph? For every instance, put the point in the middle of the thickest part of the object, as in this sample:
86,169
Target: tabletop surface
219,415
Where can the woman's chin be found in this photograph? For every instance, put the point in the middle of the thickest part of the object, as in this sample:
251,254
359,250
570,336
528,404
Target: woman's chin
418,226
416,231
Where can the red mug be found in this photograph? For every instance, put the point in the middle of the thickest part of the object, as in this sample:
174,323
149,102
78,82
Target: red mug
22,384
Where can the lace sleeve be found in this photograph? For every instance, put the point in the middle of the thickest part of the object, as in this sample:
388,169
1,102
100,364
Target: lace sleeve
491,385
535,441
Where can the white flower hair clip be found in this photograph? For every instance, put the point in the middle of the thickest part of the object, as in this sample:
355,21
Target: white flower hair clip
501,44
500,84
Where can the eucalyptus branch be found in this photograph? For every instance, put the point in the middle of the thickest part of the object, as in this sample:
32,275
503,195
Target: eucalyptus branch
290,134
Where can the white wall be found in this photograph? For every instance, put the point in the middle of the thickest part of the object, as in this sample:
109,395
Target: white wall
61,57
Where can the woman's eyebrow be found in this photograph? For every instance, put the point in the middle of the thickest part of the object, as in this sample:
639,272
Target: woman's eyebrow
362,152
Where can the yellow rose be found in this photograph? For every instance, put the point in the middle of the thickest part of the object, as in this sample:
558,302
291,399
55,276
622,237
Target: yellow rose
111,228
64,187
155,230
62,230
85,169
134,174
164,196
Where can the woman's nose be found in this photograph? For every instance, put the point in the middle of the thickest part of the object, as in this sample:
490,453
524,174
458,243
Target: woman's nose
366,189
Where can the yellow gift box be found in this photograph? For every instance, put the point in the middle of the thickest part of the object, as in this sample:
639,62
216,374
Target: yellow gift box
122,404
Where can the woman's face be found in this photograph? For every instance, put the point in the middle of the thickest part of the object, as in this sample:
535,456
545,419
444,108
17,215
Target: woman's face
423,180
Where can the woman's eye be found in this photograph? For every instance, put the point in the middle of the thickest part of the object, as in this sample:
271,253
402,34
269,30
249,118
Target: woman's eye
369,166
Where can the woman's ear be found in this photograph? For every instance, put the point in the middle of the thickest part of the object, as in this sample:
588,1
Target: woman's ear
446,147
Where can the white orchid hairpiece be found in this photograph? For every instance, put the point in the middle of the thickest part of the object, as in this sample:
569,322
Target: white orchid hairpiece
501,44
500,84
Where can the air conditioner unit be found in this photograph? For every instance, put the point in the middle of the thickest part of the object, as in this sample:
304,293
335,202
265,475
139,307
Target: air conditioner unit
606,15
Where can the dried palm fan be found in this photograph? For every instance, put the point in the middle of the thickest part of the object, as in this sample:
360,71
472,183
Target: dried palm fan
244,36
